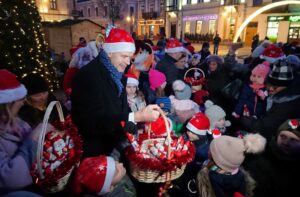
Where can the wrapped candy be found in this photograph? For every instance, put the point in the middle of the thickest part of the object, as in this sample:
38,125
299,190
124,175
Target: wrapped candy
154,151
133,142
159,146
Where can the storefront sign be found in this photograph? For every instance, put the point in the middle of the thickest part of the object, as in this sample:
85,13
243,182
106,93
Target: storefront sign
152,22
294,18
200,17
284,18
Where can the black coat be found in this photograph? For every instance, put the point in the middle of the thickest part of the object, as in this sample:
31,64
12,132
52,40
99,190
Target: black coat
97,110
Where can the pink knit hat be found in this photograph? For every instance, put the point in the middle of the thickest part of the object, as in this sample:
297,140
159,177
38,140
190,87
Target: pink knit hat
156,79
262,69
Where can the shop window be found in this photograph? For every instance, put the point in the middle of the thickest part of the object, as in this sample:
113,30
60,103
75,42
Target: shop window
198,27
222,2
212,26
194,1
187,27
272,30
53,4
294,31
184,2
206,1
143,30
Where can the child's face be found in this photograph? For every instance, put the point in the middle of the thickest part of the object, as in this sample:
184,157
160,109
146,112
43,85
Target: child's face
256,79
289,143
195,61
213,66
192,136
131,90
220,123
119,173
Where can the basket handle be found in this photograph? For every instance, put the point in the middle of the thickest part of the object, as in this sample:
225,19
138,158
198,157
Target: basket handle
40,145
198,69
167,128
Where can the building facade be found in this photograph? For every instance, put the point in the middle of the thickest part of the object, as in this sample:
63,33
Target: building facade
151,18
122,13
55,10
202,17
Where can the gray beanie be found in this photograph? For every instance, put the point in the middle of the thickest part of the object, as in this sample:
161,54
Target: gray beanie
182,90
214,113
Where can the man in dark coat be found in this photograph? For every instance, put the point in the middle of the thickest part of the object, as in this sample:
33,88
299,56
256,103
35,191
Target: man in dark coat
282,104
99,101
174,52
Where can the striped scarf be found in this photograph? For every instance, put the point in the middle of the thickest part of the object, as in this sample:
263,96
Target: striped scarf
114,73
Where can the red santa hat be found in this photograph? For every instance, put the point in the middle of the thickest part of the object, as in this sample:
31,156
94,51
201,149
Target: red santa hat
10,88
94,175
272,54
174,46
158,127
199,124
132,79
119,40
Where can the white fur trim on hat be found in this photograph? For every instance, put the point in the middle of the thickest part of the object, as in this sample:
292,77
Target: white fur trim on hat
271,59
119,47
132,81
175,49
110,172
10,95
193,129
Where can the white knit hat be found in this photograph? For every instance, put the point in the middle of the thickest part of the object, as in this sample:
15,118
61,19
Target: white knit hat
119,40
10,88
214,113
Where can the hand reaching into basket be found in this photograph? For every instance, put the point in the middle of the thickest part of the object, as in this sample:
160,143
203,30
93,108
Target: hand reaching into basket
37,131
149,114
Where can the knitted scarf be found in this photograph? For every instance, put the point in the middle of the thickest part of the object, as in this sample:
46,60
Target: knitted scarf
114,73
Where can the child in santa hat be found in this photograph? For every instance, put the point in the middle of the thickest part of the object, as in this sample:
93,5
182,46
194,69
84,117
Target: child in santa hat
252,100
184,108
135,98
221,174
216,116
102,176
18,142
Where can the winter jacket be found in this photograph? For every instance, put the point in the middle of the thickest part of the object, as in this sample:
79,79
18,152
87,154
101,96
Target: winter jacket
168,67
15,157
213,184
280,107
97,109
254,103
274,172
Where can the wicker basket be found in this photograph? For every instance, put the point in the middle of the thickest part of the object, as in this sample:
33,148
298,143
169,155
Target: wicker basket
60,184
156,176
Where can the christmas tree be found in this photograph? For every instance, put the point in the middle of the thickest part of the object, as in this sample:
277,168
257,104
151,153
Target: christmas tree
23,48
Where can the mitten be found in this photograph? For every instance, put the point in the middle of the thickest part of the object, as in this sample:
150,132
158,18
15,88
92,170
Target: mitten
235,115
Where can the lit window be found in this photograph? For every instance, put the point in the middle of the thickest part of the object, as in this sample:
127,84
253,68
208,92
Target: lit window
184,2
194,1
222,2
53,5
206,1
212,26
198,27
187,27
242,1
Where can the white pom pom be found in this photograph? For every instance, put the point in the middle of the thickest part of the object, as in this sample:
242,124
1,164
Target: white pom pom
227,123
178,85
208,104
254,143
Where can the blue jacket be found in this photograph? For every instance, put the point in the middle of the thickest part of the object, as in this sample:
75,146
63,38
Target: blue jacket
247,97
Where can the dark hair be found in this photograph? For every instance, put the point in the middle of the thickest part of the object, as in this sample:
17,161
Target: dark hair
35,83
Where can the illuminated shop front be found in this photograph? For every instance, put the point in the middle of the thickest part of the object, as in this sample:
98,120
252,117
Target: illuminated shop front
200,24
283,26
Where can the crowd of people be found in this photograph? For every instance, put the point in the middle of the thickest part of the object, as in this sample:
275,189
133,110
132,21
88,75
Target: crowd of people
242,118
